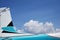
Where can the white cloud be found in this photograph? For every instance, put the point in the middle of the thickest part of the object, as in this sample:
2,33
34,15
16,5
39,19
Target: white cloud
24,33
57,29
38,27
20,31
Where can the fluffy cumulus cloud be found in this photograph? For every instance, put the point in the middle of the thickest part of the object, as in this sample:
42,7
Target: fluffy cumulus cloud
37,27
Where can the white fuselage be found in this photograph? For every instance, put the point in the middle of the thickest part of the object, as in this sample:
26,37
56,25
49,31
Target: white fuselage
55,34
26,34
14,34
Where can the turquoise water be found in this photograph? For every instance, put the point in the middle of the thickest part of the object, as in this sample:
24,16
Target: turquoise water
34,37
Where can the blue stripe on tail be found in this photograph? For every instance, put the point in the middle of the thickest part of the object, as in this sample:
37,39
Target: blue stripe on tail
9,29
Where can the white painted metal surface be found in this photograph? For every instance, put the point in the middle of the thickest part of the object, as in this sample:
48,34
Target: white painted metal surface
55,34
5,17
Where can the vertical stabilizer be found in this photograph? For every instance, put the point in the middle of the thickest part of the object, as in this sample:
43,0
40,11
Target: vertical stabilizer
6,20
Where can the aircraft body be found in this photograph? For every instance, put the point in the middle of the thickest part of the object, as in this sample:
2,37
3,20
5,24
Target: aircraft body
7,31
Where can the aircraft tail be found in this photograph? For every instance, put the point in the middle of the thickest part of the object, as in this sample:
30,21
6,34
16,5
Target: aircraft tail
6,24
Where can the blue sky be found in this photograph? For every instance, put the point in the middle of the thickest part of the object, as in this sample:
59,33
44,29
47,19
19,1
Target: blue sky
41,10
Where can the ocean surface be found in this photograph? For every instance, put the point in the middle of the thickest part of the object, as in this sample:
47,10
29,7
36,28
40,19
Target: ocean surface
33,37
